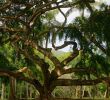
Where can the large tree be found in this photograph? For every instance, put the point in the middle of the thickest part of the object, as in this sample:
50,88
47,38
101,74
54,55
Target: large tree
28,25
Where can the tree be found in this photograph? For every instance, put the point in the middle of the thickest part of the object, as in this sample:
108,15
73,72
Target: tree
25,26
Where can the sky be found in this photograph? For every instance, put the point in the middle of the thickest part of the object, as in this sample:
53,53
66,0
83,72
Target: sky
76,13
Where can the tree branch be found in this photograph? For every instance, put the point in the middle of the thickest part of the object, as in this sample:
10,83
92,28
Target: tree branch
66,43
20,76
76,82
41,10
70,58
98,44
75,70
36,59
87,3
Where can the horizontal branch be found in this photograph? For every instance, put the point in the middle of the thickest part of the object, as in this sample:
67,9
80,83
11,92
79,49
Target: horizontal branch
86,70
76,82
19,75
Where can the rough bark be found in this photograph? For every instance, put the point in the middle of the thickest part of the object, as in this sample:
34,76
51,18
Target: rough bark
12,89
45,94
3,91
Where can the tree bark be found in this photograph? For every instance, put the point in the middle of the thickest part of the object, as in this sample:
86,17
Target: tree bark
45,96
27,90
12,89
3,91
107,92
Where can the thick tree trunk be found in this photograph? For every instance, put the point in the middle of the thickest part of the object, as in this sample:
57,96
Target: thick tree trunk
46,95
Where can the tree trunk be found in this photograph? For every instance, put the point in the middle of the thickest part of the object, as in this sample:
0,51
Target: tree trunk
12,89
89,92
46,95
107,92
78,92
27,90
3,91
81,92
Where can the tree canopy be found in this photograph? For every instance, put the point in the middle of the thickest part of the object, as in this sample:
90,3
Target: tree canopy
28,26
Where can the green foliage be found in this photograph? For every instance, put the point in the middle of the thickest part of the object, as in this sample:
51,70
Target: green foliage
62,55
102,87
4,63
50,15
77,60
105,66
6,56
72,33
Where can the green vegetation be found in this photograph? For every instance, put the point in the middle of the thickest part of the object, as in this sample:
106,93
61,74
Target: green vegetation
30,68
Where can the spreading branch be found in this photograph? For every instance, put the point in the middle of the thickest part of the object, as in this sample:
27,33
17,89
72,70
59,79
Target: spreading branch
76,82
19,75
37,60
76,70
